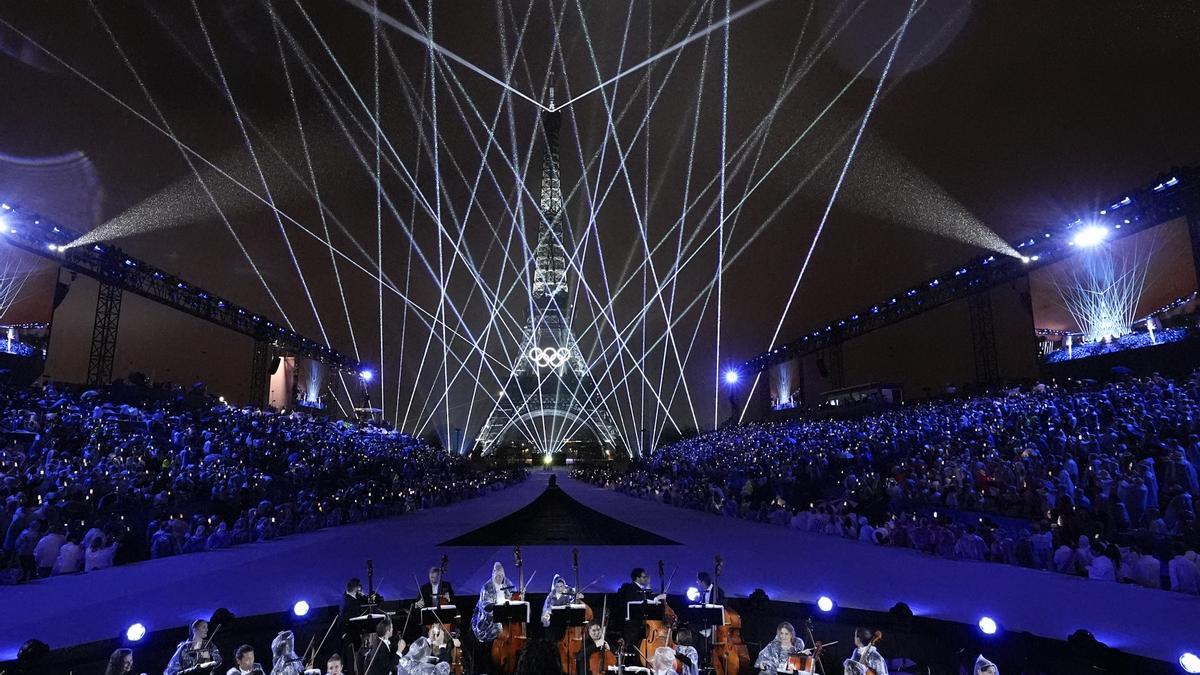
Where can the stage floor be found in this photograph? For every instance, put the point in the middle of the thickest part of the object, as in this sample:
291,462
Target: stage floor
788,565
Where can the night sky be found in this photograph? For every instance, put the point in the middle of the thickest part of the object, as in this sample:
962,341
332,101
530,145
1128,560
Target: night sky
996,117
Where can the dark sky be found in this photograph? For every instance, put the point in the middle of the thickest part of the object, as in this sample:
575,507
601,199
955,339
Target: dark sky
1024,114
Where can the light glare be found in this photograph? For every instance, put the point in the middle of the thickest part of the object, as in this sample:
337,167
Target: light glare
825,603
1090,236
135,632
300,608
987,625
1190,662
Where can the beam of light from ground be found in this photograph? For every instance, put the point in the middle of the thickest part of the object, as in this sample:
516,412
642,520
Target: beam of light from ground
422,38
673,48
1101,288
716,365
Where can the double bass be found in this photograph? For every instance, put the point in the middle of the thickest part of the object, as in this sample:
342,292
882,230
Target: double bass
658,633
729,653
506,648
572,640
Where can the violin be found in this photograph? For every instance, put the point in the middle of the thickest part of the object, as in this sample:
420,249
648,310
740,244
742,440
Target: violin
572,640
729,652
658,633
506,648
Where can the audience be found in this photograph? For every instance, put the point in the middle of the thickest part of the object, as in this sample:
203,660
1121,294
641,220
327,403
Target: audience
1052,477
99,478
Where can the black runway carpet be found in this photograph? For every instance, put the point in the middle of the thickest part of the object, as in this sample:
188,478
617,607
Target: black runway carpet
555,519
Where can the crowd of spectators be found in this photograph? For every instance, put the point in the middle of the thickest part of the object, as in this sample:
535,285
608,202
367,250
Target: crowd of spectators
102,477
1091,479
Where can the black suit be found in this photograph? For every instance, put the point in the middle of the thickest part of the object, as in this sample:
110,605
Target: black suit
444,588
379,660
710,598
631,631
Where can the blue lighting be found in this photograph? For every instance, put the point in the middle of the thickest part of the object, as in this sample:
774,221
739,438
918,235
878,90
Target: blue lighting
825,604
911,292
1090,236
693,594
1190,662
731,377
1172,182
366,375
300,608
988,625
135,632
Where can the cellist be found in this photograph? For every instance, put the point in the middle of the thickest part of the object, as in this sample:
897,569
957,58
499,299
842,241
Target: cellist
593,644
494,591
865,659
774,657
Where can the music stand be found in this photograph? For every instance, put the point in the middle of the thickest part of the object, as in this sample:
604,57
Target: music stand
443,614
705,615
568,616
511,612
643,610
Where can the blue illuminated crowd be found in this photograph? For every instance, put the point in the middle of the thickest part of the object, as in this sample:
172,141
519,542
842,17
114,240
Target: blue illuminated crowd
1097,480
102,477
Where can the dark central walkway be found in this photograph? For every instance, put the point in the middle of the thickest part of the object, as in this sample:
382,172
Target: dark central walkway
555,519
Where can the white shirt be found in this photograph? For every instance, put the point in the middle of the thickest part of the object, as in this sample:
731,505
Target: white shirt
1184,576
69,560
46,551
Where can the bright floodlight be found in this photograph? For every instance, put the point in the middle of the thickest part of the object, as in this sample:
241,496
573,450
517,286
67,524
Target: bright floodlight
135,632
825,603
300,608
1190,662
731,377
367,375
1090,236
693,594
987,625
547,459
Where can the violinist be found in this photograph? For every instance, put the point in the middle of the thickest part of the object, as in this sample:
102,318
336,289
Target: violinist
433,594
495,591
636,590
194,652
865,659
774,657
431,654
559,596
686,653
243,662
382,657
283,655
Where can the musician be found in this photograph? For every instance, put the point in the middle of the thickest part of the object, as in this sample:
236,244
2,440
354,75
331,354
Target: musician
432,592
593,643
686,653
985,667
430,655
636,590
120,662
194,651
283,655
663,661
354,603
382,657
559,596
710,594
243,662
775,655
495,591
865,659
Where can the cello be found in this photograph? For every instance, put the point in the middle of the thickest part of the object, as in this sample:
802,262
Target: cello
729,652
658,633
506,648
862,667
572,640
601,660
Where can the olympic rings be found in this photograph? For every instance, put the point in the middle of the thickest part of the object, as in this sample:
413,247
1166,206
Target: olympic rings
549,357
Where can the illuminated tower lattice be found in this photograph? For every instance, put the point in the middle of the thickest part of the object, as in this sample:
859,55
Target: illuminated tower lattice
549,393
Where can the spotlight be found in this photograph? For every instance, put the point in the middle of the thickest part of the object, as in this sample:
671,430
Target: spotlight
135,632
731,377
300,608
1190,662
52,247
366,375
547,459
825,604
693,594
1090,236
988,625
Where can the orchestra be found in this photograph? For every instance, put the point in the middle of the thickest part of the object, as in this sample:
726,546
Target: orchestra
642,633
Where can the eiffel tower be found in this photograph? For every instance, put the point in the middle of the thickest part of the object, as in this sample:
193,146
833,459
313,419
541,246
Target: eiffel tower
549,392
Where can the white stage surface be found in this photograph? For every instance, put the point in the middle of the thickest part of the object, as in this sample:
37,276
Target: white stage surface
790,566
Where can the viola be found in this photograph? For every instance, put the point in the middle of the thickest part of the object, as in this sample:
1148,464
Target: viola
572,640
729,652
506,648
658,633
